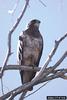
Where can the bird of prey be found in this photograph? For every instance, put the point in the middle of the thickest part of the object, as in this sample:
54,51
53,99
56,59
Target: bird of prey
30,47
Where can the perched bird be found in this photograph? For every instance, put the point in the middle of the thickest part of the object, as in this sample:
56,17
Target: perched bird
30,47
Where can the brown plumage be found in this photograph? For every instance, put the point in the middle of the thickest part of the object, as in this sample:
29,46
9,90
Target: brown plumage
30,50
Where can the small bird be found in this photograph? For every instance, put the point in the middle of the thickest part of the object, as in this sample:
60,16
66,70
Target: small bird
29,51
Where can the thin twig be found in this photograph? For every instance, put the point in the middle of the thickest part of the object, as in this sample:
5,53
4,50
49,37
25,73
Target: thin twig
42,3
2,86
57,74
12,11
60,60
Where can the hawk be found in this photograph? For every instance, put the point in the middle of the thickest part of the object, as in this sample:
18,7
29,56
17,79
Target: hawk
30,47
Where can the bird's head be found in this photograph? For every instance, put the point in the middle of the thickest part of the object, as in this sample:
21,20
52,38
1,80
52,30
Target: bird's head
34,23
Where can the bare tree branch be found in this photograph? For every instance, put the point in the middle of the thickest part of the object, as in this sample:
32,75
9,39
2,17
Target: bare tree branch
45,73
53,51
26,68
51,69
56,74
25,86
9,52
9,37
42,3
60,73
60,60
21,67
36,90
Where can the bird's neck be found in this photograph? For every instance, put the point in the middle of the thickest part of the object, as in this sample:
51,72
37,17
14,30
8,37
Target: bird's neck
34,31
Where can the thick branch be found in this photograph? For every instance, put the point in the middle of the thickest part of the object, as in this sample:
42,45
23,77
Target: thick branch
56,74
21,67
26,68
19,90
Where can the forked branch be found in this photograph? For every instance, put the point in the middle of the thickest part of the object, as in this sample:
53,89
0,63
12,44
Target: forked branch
9,52
49,73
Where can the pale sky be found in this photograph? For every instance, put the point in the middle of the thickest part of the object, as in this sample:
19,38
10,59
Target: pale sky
53,25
